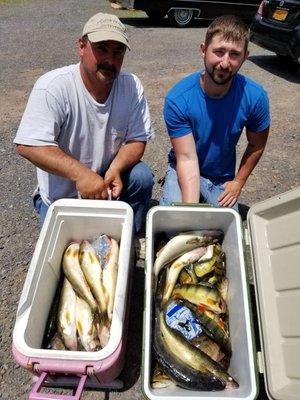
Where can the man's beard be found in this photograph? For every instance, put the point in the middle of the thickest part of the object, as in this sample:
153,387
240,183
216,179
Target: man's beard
216,79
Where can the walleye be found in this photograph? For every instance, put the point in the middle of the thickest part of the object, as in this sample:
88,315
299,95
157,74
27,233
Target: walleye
177,266
180,372
85,326
110,273
92,271
66,319
177,246
194,357
73,272
203,295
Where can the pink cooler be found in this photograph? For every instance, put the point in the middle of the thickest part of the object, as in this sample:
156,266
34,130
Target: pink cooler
72,220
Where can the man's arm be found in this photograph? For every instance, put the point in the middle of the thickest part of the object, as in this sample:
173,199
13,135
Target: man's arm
128,155
187,167
55,161
254,150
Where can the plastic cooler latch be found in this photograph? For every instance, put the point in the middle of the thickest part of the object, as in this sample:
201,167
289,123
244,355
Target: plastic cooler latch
36,395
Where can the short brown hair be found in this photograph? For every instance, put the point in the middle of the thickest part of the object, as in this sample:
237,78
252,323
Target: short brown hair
229,27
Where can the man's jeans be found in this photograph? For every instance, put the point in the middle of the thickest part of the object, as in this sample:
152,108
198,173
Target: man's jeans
137,191
172,194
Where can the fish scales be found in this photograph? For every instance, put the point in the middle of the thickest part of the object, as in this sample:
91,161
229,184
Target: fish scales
66,319
73,271
211,328
192,356
92,271
110,273
177,246
177,266
85,326
181,373
201,294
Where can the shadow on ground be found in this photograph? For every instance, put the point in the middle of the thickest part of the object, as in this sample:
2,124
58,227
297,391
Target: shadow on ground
278,67
133,357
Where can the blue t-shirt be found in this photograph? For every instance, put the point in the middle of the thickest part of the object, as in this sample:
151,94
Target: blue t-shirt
216,124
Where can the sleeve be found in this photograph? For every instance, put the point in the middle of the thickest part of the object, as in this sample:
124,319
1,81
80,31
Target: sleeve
259,118
139,123
176,120
41,121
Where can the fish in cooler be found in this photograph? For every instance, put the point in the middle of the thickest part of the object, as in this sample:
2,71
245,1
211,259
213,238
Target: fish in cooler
73,271
66,320
191,338
87,297
110,273
179,245
92,271
176,267
85,326
210,374
201,294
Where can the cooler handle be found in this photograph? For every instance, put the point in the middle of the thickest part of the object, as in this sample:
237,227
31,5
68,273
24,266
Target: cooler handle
35,395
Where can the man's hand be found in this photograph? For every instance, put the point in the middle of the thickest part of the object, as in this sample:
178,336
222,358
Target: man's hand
232,190
113,182
91,185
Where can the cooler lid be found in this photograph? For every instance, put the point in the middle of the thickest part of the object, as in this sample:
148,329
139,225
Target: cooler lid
274,227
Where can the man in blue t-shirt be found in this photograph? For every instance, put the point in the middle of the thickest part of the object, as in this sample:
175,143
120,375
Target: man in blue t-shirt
205,114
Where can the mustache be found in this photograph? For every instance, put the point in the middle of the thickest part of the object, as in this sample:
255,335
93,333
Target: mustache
105,67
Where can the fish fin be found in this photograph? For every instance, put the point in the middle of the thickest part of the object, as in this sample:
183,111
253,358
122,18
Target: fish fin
202,307
79,327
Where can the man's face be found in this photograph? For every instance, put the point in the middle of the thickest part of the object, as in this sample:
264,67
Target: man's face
102,60
223,59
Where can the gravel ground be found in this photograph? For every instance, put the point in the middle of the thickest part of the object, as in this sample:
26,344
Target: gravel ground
38,36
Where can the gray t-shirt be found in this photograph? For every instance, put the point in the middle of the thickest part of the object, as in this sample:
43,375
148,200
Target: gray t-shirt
61,112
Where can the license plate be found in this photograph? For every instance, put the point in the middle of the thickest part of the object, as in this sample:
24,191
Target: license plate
280,14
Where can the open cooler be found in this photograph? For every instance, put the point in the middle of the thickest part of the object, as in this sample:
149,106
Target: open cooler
274,227
70,220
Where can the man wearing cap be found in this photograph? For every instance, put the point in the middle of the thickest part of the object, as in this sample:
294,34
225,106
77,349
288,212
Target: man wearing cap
85,126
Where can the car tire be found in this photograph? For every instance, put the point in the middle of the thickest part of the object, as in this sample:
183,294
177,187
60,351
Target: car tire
181,17
156,15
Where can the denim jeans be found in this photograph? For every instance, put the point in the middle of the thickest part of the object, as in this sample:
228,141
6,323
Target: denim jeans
137,191
172,194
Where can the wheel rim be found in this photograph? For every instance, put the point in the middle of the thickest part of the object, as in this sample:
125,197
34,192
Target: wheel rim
183,16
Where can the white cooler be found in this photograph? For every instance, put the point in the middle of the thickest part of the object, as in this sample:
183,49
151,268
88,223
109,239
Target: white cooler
274,227
73,220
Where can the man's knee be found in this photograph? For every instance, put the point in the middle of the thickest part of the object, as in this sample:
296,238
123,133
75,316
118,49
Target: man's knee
141,177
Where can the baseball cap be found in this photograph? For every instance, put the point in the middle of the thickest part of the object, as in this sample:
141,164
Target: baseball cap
103,26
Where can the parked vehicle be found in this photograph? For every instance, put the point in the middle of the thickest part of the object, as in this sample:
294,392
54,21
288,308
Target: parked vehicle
182,12
276,27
